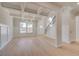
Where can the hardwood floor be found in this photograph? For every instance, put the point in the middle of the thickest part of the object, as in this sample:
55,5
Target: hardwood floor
38,46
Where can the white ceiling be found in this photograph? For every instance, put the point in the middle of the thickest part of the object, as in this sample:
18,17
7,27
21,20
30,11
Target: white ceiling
33,7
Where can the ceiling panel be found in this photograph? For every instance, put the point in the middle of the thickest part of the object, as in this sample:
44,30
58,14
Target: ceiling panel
32,7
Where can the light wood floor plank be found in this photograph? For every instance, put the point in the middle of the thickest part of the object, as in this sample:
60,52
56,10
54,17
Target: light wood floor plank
38,46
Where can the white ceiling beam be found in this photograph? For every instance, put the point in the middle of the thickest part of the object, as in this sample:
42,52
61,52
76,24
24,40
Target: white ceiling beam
16,14
47,5
22,10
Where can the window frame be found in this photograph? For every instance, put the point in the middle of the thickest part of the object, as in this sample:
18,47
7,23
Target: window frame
27,28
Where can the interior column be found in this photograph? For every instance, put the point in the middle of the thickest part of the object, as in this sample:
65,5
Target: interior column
72,29
58,29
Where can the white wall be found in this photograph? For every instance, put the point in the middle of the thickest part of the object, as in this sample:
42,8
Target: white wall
10,24
6,19
65,27
65,24
77,28
41,26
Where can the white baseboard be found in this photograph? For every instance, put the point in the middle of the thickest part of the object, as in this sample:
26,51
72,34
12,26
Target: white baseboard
66,42
5,44
57,46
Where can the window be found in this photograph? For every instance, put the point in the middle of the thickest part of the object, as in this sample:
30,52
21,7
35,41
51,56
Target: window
26,27
50,19
29,28
22,27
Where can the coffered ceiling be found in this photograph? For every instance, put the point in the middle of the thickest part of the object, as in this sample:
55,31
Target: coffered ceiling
33,7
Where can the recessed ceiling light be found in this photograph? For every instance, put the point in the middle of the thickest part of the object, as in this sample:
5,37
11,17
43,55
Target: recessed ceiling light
78,3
